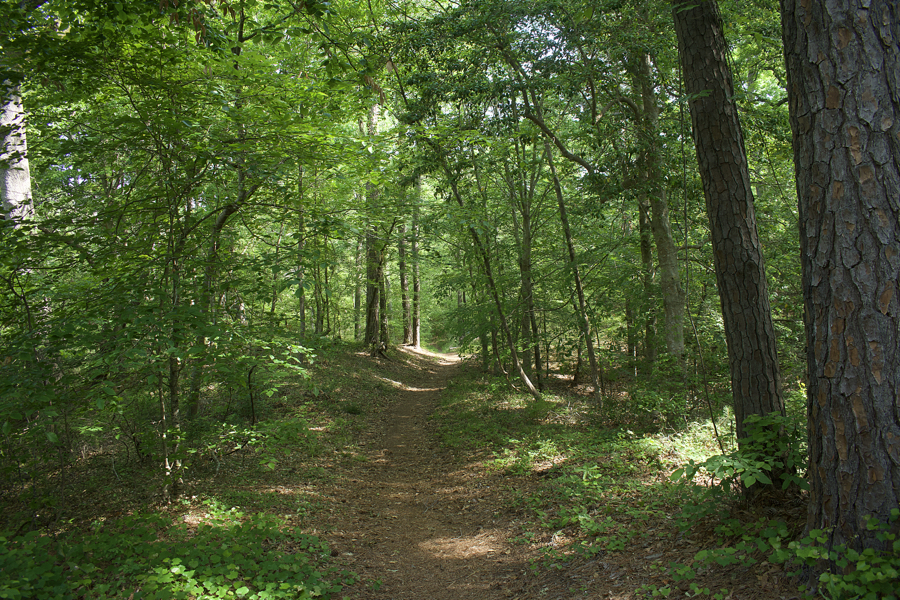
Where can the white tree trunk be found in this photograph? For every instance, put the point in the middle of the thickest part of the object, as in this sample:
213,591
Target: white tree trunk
15,177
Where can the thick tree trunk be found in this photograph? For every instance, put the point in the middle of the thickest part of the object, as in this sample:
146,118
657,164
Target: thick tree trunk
15,176
843,66
741,277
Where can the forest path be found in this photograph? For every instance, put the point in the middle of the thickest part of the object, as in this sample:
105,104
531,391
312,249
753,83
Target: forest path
419,523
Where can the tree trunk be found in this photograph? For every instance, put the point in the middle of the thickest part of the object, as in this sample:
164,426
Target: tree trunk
319,297
276,271
843,67
648,304
357,288
373,255
495,294
15,176
417,284
301,241
583,321
741,277
383,331
404,287
673,296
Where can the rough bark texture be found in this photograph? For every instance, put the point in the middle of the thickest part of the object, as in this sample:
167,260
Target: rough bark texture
740,274
843,64
15,176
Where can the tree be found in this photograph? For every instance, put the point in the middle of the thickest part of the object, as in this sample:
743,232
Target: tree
740,273
843,66
15,176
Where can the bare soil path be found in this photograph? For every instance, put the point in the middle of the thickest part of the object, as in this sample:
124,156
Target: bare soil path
419,523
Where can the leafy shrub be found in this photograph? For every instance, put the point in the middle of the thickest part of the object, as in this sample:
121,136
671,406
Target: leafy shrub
146,557
774,448
869,574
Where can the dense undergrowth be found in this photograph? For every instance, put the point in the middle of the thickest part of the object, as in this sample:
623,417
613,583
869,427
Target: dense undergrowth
96,525
648,478
640,479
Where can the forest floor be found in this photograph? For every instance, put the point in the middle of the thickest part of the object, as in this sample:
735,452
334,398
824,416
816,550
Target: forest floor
417,518
418,521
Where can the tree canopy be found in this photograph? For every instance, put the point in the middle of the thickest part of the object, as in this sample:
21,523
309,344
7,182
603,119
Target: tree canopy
197,195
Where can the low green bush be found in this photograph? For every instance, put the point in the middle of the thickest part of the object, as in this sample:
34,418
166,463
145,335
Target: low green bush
773,448
868,574
147,557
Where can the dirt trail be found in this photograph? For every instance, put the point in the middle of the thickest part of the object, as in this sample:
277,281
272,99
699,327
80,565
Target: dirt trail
418,523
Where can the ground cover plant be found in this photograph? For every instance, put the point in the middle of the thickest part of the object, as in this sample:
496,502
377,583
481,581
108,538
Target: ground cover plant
202,202
589,504
667,504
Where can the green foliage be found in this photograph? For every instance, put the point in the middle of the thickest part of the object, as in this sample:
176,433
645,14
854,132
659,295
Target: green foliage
773,448
145,556
867,574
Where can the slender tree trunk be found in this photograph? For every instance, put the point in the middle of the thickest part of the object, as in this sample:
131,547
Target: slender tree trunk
495,345
374,256
211,272
669,275
276,271
843,67
584,322
648,306
498,304
740,274
357,288
383,325
404,287
301,243
417,284
460,304
631,341
15,175
326,299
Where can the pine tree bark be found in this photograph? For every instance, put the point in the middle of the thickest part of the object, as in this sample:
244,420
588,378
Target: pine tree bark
740,273
843,66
